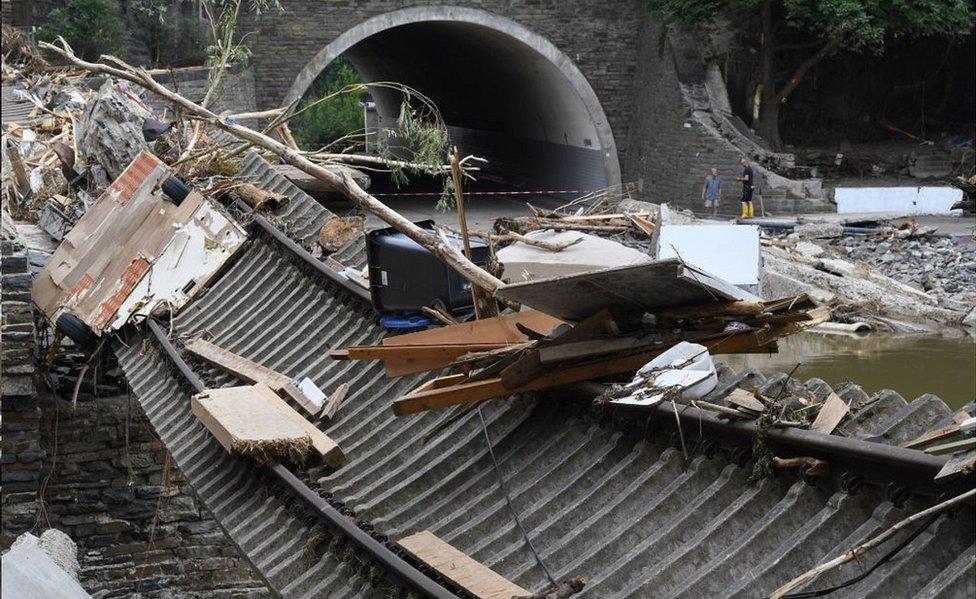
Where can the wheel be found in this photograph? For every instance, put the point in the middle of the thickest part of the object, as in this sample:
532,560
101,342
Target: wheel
77,331
175,190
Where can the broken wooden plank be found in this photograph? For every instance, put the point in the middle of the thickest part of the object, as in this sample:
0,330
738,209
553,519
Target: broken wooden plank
324,446
642,223
961,464
939,434
831,413
458,389
332,403
231,363
529,365
713,309
470,575
500,330
951,447
245,423
743,399
250,371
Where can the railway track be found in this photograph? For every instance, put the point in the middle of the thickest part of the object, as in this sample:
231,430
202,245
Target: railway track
608,498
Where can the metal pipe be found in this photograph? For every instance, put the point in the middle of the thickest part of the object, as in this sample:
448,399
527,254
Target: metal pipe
398,570
357,291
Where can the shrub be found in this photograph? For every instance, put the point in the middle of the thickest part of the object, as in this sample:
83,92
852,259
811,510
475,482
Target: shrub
328,121
92,27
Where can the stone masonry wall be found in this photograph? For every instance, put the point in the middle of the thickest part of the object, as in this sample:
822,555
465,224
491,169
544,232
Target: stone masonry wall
22,455
668,152
600,38
237,93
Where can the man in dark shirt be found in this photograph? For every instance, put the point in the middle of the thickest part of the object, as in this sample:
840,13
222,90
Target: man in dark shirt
747,179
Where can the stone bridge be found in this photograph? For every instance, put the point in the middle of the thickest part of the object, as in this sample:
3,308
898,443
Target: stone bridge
556,93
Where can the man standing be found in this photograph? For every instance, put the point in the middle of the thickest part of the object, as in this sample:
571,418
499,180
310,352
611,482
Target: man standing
747,179
712,190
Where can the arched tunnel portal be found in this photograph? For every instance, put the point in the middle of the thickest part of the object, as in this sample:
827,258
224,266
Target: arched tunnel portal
505,92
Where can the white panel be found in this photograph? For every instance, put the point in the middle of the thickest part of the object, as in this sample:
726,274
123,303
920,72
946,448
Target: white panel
913,200
729,252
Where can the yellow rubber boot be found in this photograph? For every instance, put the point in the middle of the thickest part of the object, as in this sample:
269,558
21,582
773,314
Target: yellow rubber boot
745,209
752,210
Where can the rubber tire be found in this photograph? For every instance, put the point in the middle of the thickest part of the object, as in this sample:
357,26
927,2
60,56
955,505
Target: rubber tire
175,190
77,331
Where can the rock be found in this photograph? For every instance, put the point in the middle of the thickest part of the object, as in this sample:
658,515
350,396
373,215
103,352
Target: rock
808,249
819,230
111,130
631,206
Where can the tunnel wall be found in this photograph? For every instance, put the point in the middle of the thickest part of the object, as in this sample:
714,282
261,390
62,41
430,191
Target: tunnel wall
623,55
600,40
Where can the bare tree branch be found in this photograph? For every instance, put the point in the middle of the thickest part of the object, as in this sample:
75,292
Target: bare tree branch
342,181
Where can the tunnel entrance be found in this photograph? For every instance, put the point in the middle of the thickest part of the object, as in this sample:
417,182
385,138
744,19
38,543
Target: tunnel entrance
505,93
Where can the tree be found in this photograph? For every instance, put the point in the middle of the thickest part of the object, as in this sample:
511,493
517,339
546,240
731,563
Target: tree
328,122
92,27
797,34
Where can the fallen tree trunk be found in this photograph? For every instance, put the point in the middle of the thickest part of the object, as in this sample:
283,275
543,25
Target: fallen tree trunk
342,182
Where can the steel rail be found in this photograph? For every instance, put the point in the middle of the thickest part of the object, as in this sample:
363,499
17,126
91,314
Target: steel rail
397,569
871,460
356,291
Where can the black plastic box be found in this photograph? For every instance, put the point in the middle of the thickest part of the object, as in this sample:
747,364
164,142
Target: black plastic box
404,276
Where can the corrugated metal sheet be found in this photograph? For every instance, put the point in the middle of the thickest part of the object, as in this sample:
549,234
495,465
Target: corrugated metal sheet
302,217
14,109
598,500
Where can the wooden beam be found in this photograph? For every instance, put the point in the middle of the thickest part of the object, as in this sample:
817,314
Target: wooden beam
251,372
332,403
529,366
457,389
499,330
741,308
324,446
743,399
939,434
952,447
473,577
831,413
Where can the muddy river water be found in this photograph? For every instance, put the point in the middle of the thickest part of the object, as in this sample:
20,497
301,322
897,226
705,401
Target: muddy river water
910,365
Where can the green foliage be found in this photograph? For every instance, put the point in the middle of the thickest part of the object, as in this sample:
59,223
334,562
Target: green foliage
91,27
327,122
421,131
857,25
172,40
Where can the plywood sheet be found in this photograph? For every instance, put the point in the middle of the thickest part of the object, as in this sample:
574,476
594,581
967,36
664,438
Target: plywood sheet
471,575
647,287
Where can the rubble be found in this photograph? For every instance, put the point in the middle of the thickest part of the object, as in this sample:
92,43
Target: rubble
661,316
45,568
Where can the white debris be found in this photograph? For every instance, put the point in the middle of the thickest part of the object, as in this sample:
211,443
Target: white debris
526,262
686,369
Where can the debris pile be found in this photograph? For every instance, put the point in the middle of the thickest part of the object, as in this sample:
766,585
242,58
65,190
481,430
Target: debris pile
900,280
940,266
